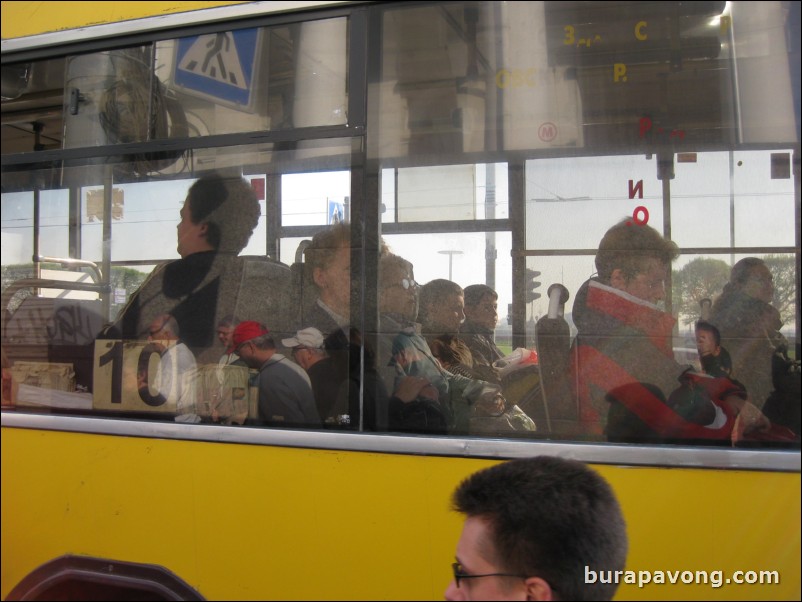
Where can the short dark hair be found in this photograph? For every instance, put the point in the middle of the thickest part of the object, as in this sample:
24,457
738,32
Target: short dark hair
475,292
434,291
228,206
549,517
705,325
628,247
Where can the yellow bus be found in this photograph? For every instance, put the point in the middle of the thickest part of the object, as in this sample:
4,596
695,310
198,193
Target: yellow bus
488,143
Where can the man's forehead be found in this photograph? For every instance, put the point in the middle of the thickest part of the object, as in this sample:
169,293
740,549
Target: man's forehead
653,265
397,272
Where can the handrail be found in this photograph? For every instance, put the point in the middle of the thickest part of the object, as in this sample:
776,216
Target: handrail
71,263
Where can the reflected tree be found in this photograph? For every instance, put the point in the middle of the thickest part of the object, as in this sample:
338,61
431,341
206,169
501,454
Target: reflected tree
702,278
783,269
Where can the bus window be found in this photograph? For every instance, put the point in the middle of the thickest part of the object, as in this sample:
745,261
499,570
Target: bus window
257,252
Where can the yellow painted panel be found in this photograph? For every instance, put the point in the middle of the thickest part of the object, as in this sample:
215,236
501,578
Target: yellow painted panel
21,19
254,522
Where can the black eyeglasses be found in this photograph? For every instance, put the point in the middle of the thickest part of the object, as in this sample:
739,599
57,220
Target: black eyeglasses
459,573
238,348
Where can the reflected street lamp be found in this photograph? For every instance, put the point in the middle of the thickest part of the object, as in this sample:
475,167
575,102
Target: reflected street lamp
450,253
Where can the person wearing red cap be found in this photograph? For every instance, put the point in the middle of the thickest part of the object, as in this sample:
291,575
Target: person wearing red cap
285,391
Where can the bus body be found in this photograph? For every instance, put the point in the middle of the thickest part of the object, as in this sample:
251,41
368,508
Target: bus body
485,142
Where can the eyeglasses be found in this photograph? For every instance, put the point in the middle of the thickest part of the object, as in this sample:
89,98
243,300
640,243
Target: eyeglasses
407,283
238,348
459,573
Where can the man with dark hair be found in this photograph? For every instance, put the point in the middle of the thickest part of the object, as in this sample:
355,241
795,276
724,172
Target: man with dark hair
442,305
210,281
714,359
534,529
623,352
478,330
285,392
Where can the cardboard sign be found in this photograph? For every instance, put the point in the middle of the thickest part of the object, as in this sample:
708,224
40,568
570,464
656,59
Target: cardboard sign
125,378
129,376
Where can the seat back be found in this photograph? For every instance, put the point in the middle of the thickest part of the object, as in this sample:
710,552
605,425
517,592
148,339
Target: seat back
553,338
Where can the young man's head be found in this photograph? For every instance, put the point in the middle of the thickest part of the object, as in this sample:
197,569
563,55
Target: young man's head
533,527
481,306
708,339
442,306
635,259
398,291
219,214
328,266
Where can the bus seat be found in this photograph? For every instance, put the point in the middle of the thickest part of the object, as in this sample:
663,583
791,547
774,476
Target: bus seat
303,294
553,339
265,282
55,330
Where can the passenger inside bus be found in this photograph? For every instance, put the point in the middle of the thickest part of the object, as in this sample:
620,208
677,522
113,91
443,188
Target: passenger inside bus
623,352
715,359
210,281
750,329
414,405
175,378
361,390
750,325
441,315
327,264
478,329
285,392
225,332
325,375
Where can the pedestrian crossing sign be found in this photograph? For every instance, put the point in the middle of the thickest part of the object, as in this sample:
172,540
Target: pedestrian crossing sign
219,66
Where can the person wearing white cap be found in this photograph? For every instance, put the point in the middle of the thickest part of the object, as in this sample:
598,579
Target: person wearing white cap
307,351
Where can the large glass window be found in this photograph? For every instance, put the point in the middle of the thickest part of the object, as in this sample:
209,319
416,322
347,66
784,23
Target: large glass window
432,196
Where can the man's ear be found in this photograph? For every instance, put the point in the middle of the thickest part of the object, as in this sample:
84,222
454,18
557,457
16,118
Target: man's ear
618,279
319,277
538,588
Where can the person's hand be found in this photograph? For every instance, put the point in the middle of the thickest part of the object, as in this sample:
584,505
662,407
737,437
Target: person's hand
749,420
410,387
